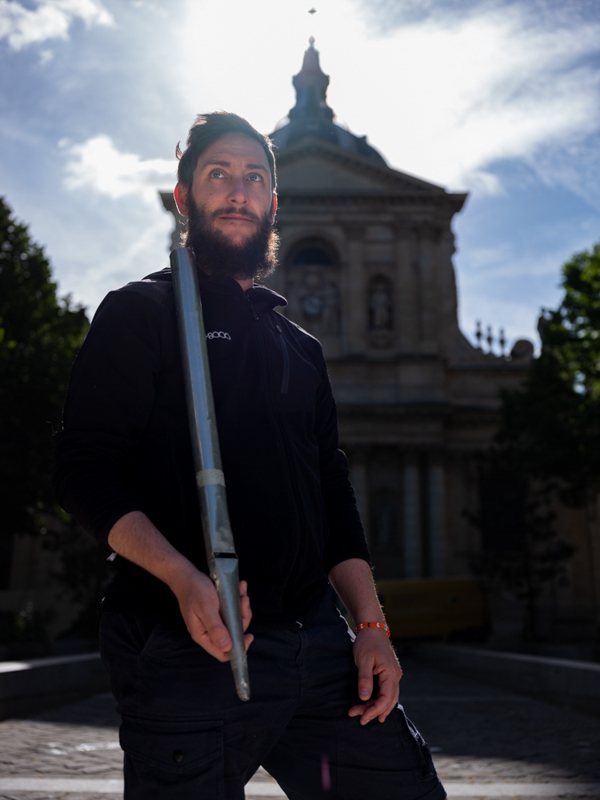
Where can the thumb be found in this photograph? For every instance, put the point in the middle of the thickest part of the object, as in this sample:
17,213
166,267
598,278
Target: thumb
365,683
216,630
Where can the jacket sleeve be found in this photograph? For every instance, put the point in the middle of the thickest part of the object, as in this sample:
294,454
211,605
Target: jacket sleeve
346,533
108,405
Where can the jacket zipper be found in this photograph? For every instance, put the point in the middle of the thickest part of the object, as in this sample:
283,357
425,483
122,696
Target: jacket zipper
285,381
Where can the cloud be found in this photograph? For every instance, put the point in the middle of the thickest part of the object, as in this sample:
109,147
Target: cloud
50,19
383,15
491,86
98,166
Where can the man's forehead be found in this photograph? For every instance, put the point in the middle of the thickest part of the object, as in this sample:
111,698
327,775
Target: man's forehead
235,146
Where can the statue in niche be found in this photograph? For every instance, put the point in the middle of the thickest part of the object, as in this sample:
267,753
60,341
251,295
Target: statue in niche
380,305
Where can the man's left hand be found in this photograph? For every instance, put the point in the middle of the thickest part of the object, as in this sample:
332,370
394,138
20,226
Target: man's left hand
373,655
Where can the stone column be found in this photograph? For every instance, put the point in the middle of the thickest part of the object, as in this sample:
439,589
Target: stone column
407,291
354,325
437,515
360,483
412,518
428,290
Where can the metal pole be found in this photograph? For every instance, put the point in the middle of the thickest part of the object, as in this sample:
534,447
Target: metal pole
210,481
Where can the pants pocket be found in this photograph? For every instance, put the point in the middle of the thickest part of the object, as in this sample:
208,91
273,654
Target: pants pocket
174,760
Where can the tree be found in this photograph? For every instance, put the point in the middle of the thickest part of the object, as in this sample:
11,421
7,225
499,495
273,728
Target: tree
521,552
548,446
554,421
40,334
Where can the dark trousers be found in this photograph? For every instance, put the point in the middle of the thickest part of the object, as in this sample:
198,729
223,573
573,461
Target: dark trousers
186,734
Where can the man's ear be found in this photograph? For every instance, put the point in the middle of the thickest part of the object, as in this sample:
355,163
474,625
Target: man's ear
181,199
273,207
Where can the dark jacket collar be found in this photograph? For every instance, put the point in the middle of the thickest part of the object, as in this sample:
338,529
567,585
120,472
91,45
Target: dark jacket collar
260,296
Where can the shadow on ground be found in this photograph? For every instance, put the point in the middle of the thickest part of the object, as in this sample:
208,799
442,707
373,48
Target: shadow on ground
474,727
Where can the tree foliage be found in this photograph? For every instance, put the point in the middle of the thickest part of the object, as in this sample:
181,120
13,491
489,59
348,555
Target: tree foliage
40,334
547,447
553,422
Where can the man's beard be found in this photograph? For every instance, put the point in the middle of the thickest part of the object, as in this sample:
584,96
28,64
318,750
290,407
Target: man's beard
216,254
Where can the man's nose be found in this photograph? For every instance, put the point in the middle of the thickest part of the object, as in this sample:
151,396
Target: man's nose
239,192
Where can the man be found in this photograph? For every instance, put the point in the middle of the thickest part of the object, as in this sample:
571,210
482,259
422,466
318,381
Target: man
322,717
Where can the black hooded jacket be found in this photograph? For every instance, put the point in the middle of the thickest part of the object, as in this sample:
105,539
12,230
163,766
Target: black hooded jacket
125,444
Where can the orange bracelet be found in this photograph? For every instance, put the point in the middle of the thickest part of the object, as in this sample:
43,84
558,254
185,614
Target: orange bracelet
374,625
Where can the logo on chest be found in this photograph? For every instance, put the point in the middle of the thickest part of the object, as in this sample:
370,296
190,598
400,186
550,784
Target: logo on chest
218,335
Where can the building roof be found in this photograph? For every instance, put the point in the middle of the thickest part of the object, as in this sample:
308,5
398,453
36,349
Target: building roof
312,117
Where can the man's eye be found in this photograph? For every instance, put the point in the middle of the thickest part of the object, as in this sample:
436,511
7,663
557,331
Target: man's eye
255,176
217,173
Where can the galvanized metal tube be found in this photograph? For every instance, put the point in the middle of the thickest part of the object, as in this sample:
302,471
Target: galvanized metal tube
210,481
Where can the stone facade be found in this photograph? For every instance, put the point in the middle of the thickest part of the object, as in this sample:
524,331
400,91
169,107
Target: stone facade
366,266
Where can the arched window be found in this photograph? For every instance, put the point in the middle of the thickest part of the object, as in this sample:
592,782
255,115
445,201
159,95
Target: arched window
311,256
313,253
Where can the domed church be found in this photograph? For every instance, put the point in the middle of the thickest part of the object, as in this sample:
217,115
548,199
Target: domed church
366,267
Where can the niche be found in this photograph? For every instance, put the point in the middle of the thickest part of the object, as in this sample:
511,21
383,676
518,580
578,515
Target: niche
312,287
380,312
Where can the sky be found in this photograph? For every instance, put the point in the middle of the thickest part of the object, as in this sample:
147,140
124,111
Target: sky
500,98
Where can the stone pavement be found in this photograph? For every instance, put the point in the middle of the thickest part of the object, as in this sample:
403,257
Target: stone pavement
487,743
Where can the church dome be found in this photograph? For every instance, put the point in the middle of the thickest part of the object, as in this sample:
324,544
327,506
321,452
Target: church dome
311,116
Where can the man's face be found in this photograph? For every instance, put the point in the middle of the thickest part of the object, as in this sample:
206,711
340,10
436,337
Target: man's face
232,187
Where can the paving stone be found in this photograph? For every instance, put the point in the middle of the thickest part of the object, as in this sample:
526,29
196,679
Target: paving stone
492,734
479,735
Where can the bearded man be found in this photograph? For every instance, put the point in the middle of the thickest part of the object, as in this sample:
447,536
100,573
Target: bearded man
323,718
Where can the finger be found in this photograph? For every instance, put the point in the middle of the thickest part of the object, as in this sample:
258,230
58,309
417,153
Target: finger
245,605
205,625
246,611
246,616
248,639
375,708
357,711
219,635
199,634
365,681
363,710
385,702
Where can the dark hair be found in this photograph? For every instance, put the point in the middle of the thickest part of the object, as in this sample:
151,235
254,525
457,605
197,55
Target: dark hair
207,128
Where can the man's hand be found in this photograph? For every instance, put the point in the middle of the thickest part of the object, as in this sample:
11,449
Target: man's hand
199,605
373,655
135,537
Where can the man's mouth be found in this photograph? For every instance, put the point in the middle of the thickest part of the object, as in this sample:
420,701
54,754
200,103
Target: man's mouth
238,216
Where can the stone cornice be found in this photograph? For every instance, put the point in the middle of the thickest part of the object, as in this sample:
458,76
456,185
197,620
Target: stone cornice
356,163
376,200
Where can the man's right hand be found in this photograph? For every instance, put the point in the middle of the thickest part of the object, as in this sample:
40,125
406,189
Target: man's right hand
136,538
199,605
